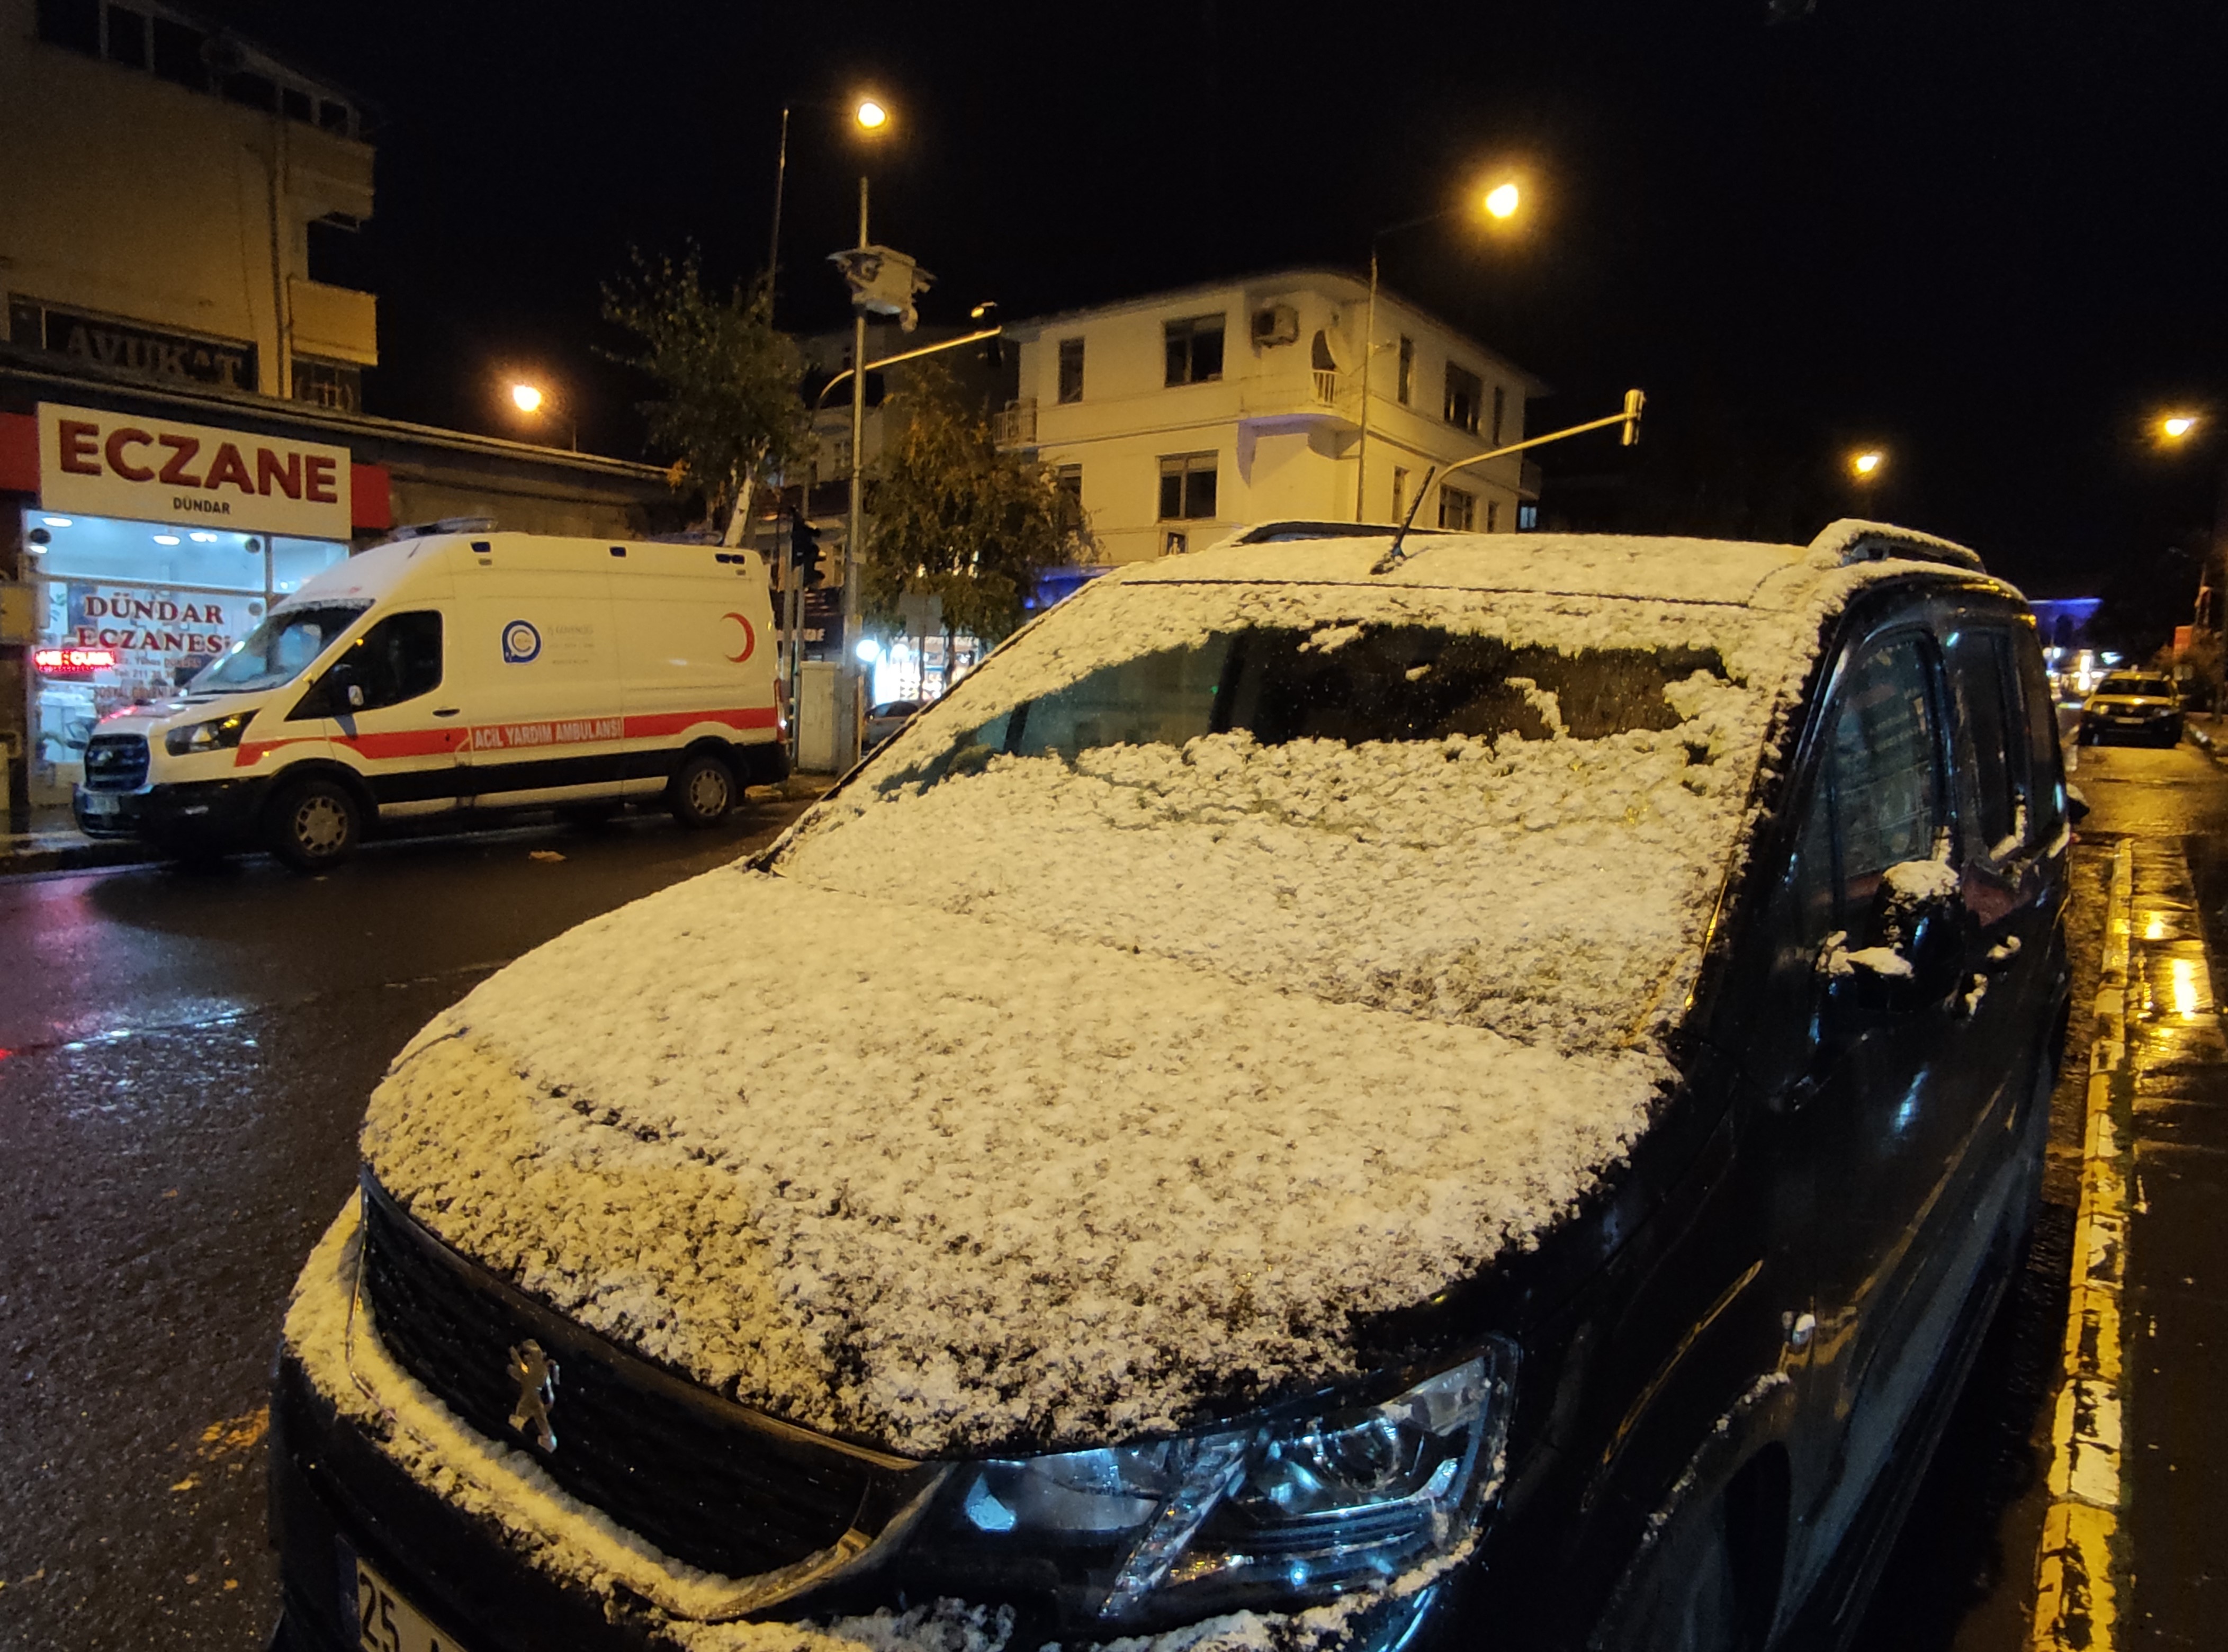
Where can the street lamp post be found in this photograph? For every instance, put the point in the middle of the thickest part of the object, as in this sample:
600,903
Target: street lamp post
846,674
1501,202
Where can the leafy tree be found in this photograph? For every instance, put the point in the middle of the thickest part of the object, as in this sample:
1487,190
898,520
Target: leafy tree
955,518
727,410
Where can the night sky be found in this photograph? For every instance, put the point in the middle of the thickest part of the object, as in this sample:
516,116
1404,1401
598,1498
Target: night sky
1985,237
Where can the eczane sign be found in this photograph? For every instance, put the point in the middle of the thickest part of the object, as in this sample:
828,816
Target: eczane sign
101,463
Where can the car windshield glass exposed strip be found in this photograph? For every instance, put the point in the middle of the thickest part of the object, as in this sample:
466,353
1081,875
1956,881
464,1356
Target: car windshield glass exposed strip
1348,684
279,650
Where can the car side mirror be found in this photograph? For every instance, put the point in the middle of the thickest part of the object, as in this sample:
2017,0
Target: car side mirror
1913,958
2076,806
345,688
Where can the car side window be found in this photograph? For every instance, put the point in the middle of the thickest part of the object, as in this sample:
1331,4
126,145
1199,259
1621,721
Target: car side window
1883,769
397,659
1994,774
2045,766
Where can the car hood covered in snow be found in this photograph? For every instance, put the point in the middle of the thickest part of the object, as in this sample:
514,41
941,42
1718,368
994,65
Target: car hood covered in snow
1059,1101
1042,1190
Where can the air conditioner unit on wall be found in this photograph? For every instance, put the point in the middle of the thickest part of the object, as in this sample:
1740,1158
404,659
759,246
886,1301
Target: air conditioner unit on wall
1276,324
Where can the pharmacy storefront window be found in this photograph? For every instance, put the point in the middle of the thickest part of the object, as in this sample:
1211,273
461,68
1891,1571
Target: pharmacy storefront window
129,610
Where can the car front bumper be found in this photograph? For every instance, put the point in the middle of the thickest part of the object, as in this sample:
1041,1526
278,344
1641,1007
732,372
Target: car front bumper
487,1555
215,812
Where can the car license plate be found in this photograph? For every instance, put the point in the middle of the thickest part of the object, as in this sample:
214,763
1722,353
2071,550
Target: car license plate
103,803
384,1620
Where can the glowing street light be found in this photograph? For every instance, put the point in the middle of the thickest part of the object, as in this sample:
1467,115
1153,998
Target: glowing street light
2174,426
1867,465
1503,200
871,114
527,397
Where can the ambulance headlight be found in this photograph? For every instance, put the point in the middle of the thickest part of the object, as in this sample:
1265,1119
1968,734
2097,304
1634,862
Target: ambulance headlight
218,735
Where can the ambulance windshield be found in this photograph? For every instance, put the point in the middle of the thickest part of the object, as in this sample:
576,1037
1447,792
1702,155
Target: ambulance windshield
277,650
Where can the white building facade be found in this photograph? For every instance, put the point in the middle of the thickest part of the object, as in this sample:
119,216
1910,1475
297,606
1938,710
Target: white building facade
1181,417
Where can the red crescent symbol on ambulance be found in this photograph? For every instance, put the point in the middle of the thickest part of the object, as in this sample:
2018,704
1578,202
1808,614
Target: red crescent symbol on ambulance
750,638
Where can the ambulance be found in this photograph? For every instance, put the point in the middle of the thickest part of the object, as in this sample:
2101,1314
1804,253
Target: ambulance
456,675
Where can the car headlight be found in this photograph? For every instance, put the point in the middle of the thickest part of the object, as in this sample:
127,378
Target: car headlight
1300,1504
214,736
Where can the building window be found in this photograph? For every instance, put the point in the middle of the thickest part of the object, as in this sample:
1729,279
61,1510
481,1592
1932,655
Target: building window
1500,408
1457,509
1194,350
329,384
1493,516
127,38
1399,490
1071,370
1188,487
1175,542
74,23
1407,377
1528,518
1465,390
1067,481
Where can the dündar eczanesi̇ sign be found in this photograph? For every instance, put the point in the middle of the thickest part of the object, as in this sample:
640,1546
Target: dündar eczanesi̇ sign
99,463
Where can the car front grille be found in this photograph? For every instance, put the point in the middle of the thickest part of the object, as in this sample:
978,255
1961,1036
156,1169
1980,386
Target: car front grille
116,763
709,1482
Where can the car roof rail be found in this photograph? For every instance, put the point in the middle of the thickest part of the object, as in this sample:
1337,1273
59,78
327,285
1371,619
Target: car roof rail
1284,532
1852,540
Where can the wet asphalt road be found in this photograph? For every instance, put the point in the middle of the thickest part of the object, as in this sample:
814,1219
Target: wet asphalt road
186,1061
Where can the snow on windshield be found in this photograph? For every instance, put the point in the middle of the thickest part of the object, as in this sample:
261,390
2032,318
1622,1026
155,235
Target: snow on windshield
1507,812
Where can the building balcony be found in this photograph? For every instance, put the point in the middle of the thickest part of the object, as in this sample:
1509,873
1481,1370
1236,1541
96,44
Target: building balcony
1015,424
1323,398
334,324
1527,481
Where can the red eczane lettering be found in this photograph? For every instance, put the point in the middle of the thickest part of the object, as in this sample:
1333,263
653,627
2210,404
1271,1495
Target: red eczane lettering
318,480
80,456
287,476
182,448
229,467
121,437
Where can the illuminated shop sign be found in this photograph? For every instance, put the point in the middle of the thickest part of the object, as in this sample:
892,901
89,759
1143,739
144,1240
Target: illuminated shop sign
73,662
157,470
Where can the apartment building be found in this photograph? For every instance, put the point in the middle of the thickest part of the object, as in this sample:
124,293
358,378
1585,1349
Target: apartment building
1179,416
182,435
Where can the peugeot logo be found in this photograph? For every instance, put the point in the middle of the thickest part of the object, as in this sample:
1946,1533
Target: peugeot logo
535,1373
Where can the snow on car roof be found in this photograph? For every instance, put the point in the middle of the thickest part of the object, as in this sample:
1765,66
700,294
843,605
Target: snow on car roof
1608,565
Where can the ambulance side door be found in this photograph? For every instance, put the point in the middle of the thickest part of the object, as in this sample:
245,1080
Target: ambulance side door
540,665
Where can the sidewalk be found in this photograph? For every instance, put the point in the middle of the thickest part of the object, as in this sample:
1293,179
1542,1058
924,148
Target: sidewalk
54,845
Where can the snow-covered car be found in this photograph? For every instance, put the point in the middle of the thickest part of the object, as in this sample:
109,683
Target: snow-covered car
1320,1097
2133,705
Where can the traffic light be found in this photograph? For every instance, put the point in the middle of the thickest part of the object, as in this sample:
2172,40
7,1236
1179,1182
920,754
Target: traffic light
1634,401
803,550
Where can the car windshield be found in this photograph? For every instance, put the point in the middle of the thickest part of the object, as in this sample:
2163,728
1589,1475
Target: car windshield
1515,812
277,650
2148,687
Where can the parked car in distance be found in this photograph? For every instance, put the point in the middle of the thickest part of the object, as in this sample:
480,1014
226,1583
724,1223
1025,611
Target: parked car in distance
2133,705
1486,1097
885,719
456,675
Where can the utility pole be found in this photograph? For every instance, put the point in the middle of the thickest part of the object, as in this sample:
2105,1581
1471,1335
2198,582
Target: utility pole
848,709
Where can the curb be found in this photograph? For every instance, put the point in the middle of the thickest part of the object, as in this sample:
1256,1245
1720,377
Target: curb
2077,1595
73,852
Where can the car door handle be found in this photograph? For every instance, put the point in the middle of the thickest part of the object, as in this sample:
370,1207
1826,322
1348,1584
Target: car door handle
447,711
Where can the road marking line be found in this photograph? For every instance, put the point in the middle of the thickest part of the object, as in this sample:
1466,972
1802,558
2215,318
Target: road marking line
2076,1597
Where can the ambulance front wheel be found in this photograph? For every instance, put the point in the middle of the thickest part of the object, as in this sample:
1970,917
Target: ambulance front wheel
703,791
315,824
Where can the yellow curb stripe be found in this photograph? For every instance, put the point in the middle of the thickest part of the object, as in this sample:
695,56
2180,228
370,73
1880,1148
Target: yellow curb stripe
2076,1598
